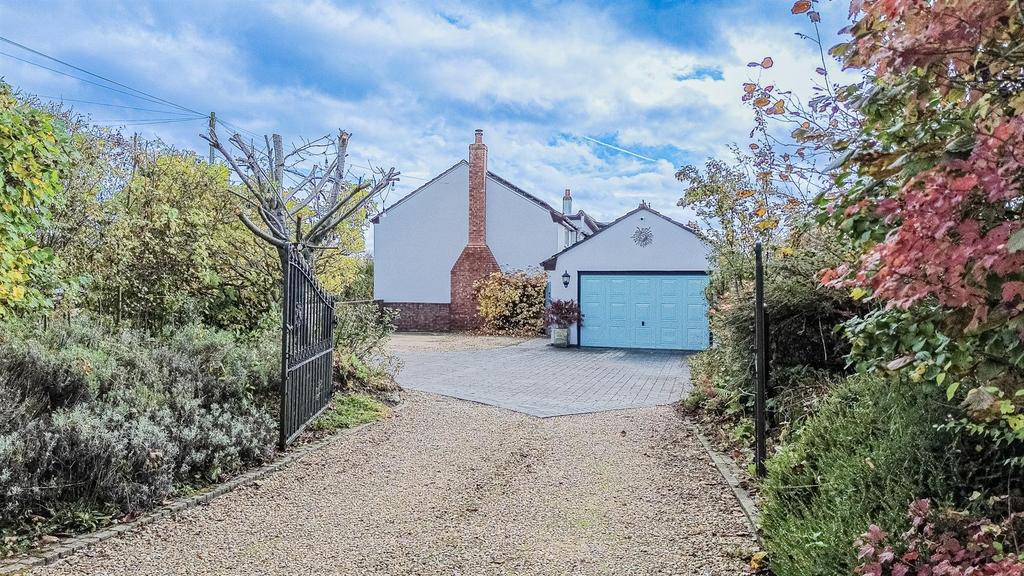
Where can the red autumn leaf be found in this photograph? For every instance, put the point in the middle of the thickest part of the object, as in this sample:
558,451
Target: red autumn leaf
801,6
1013,290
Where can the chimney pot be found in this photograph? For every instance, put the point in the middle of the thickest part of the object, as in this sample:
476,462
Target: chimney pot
479,136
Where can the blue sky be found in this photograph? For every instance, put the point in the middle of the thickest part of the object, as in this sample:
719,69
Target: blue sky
412,81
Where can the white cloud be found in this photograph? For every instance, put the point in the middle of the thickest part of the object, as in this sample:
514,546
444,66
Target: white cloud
420,84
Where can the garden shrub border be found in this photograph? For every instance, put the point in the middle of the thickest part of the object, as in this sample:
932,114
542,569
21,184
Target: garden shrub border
69,546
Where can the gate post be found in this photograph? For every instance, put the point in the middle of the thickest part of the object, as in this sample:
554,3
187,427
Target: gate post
760,362
286,306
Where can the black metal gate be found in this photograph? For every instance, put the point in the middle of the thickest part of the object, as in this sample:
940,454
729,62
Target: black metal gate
307,347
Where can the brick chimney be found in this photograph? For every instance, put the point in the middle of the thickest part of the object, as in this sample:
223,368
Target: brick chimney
476,260
478,191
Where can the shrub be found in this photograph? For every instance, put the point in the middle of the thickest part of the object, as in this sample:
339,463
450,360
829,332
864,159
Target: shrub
807,355
563,313
869,451
938,544
362,362
512,303
363,329
116,419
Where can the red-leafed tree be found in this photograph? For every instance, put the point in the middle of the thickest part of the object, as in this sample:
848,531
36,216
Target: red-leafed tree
933,201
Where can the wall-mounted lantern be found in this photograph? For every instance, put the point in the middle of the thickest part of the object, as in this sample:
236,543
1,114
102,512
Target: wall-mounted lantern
565,278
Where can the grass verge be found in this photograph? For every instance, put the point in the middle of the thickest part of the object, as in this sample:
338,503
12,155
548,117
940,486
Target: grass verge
348,410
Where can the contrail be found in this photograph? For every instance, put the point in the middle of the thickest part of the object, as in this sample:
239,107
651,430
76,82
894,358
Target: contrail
619,149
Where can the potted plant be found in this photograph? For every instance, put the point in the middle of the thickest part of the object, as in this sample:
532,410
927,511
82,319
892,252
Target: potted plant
562,314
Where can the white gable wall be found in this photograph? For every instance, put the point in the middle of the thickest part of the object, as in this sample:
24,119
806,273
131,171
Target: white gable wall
416,244
613,250
520,233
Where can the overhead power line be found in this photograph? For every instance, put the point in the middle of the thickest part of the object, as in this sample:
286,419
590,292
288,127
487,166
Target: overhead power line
62,73
128,91
137,122
94,75
63,99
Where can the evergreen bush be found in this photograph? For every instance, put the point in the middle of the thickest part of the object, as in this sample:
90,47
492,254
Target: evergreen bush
117,419
870,451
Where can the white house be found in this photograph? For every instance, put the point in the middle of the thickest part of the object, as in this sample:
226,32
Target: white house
643,275
433,244
640,283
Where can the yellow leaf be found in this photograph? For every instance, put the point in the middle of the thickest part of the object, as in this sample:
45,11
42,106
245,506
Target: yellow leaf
749,87
757,560
779,107
767,62
1016,422
1017,103
761,101
858,293
761,211
747,193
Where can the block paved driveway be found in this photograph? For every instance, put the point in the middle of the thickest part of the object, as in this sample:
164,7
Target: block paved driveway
537,379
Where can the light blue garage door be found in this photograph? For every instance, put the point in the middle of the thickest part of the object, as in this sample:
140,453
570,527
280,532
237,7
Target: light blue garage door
664,311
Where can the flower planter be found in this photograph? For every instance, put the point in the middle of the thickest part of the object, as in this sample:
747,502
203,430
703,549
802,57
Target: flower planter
560,337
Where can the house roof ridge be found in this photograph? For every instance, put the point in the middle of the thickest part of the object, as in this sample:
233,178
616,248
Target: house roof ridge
549,264
556,215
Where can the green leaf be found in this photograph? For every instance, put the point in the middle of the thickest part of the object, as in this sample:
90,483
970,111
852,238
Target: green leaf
951,390
1016,242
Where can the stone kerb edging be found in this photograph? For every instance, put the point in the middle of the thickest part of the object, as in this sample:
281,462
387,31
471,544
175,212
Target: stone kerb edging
727,468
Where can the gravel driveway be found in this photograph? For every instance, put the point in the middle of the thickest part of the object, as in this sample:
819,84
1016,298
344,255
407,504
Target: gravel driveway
452,487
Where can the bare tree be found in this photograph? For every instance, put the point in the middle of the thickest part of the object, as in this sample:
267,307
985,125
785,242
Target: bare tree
302,196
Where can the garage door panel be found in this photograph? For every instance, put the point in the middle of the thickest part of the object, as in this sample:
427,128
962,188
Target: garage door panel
666,311
695,287
671,290
593,302
670,338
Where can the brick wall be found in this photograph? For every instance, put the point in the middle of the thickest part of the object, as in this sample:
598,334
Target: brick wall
420,316
474,263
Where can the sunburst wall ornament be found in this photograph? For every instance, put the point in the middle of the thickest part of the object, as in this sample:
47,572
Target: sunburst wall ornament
643,236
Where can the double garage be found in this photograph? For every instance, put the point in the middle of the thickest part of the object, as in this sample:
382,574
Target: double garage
640,282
